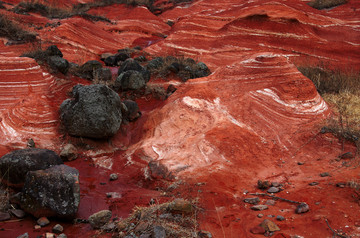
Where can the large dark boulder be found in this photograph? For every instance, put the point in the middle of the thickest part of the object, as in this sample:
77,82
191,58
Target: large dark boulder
52,192
94,111
15,165
130,80
132,110
87,70
53,50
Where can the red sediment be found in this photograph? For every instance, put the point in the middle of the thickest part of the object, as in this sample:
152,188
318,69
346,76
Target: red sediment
255,117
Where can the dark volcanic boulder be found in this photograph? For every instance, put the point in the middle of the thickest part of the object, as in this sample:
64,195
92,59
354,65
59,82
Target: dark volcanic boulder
53,50
58,64
95,112
132,113
130,80
103,74
133,65
87,70
15,165
52,192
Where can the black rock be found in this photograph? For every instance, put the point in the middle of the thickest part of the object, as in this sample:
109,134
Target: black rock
155,63
130,80
15,165
302,208
53,50
95,112
87,70
103,74
111,61
52,192
133,111
18,213
99,219
130,64
254,200
58,64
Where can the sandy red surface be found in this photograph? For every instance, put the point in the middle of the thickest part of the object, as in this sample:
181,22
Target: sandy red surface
255,117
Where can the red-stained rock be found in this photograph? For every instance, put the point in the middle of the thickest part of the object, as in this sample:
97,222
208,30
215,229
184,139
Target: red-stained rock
257,230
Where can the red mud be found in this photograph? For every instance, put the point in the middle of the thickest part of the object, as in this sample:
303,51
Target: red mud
255,117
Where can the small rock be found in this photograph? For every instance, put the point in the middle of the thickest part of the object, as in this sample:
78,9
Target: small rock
270,215
317,203
297,236
257,230
260,215
109,227
259,207
113,195
43,221
30,143
269,226
49,235
270,202
357,223
280,218
254,201
159,232
273,190
302,208
313,183
4,216
99,219
275,184
69,153
263,184
58,229
325,174
204,234
62,235
37,227
25,235
181,205
113,177
341,185
300,163
18,213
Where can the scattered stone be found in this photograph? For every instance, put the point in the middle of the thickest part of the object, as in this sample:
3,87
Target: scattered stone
317,203
103,74
300,163
95,112
100,218
260,215
159,232
69,152
132,65
155,63
25,235
273,190
62,236
257,230
269,226
347,155
109,227
270,202
52,192
43,221
204,234
180,205
103,56
129,80
259,207
254,201
53,50
341,185
37,227
325,174
58,229
302,208
280,218
18,213
49,235
263,184
15,165
313,183
30,143
270,215
4,216
87,70
113,177
275,184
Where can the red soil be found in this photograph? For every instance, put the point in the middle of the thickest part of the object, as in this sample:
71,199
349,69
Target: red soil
255,117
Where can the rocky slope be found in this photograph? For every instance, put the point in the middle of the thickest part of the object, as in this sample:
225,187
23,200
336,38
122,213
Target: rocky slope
255,117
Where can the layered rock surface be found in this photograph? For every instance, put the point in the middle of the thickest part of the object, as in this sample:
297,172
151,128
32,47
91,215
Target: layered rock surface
253,118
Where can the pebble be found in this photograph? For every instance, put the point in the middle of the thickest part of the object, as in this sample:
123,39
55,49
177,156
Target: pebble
300,163
99,219
25,235
260,215
313,183
280,218
254,201
58,229
43,221
62,235
257,230
49,235
4,216
269,226
270,202
341,185
275,184
302,208
273,190
18,213
325,174
37,227
113,177
259,207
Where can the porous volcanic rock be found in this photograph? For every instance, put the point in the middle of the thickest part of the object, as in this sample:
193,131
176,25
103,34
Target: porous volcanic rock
95,112
52,192
131,64
99,219
130,80
15,165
